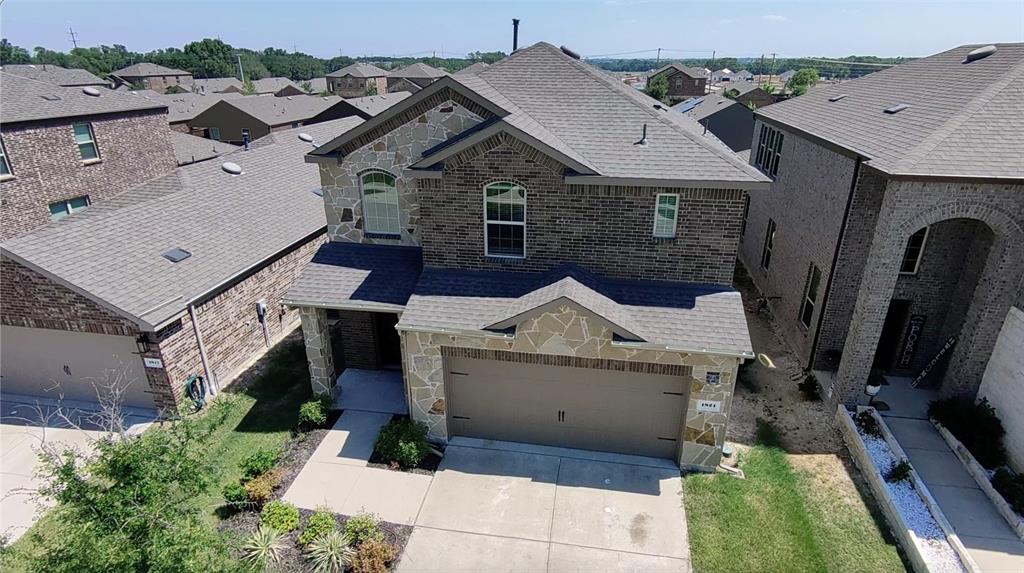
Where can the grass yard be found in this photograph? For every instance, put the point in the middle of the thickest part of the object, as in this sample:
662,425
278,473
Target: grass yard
780,519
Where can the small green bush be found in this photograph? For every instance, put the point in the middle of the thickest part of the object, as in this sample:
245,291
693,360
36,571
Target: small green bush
868,424
373,556
320,523
975,424
313,414
900,471
280,515
809,388
330,553
257,464
403,441
362,528
1011,487
235,494
261,489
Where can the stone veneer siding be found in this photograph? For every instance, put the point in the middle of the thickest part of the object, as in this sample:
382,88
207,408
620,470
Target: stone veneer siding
391,152
567,337
607,229
47,167
317,338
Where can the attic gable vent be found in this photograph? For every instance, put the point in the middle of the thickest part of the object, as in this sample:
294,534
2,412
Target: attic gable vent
897,108
979,53
176,255
838,97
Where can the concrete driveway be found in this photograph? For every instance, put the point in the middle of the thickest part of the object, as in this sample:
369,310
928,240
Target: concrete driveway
500,510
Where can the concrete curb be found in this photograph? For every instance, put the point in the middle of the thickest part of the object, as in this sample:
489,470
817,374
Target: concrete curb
1015,521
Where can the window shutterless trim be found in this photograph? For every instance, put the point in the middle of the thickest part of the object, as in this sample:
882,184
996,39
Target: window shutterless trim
6,161
768,246
675,215
382,225
811,287
920,251
92,142
487,222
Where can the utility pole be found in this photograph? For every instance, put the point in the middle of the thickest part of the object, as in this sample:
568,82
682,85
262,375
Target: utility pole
657,63
760,71
773,66
74,39
711,82
241,72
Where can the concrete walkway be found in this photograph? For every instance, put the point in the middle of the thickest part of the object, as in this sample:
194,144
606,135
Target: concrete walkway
983,531
372,391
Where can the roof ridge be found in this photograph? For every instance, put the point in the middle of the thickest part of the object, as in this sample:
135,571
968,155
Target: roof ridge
968,111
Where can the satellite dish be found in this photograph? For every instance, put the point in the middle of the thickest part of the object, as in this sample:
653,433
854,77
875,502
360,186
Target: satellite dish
91,91
232,168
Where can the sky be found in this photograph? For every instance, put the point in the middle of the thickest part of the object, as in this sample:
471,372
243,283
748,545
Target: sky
618,28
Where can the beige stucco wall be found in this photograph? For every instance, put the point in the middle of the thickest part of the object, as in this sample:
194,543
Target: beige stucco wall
1003,384
567,331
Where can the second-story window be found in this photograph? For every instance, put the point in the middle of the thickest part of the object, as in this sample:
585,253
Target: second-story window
505,220
769,150
62,209
5,165
769,245
380,204
912,254
86,141
679,82
810,295
666,214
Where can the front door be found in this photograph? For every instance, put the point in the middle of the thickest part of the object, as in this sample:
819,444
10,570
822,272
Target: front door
389,346
892,335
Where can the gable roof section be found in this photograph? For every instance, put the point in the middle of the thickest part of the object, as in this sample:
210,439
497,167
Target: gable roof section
419,70
358,276
147,69
112,251
964,120
185,106
358,70
56,75
31,100
272,85
473,68
677,67
215,85
192,149
275,111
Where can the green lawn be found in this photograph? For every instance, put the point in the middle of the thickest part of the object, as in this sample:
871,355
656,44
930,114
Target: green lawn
778,520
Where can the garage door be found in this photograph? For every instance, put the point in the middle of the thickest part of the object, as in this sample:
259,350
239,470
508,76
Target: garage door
584,408
36,361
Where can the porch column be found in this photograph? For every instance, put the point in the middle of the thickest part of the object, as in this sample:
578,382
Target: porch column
317,337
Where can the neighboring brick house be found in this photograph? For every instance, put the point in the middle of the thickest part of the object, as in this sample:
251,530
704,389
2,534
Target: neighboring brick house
236,119
277,87
56,75
63,149
152,77
553,270
183,108
413,78
357,80
216,85
684,82
748,94
180,276
895,220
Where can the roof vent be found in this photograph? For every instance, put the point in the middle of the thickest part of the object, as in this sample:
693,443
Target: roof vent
318,191
289,97
91,91
176,255
643,138
838,97
232,168
979,53
897,108
570,53
306,137
50,97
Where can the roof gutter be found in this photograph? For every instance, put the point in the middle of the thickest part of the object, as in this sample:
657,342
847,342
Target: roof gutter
689,183
350,305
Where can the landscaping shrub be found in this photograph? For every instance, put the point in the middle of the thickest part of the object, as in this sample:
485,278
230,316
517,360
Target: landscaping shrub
261,489
1011,487
257,464
362,528
235,493
373,556
280,515
320,523
899,471
330,553
263,548
975,424
809,388
868,424
403,441
313,414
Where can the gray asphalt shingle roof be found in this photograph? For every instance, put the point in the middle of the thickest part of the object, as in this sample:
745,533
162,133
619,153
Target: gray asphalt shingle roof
215,85
692,72
186,106
272,85
963,119
282,110
112,251
356,275
147,69
358,70
56,75
192,149
373,105
474,68
419,70
30,100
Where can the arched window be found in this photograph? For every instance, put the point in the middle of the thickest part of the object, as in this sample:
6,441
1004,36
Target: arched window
380,203
505,220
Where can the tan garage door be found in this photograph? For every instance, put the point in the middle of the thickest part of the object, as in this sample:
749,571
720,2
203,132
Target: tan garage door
58,363
584,408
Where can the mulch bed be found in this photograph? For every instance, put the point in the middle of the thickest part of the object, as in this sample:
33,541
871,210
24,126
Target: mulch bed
426,467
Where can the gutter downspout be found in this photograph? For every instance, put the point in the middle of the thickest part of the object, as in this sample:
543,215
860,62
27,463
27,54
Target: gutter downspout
835,259
214,387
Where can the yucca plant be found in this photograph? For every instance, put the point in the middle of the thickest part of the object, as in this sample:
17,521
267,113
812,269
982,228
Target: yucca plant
330,553
263,548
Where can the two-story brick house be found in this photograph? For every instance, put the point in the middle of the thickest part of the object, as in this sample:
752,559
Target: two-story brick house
413,77
546,263
892,239
357,80
154,77
64,148
684,82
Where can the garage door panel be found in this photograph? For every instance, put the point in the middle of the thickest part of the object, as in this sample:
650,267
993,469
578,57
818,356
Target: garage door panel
563,406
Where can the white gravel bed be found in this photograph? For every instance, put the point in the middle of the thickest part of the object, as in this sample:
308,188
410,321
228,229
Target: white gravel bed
936,550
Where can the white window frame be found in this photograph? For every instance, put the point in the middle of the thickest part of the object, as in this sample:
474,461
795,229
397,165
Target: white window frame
6,161
68,210
920,252
809,300
768,247
488,222
92,142
769,150
215,133
675,216
393,225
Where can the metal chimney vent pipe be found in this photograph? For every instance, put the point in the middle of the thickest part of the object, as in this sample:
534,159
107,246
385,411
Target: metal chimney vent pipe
515,34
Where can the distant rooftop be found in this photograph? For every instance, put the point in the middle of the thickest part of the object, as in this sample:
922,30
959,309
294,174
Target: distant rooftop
146,69
283,110
31,100
359,70
191,149
186,106
56,75
419,70
692,72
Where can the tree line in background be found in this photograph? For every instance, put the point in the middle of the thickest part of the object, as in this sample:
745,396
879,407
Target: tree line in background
211,58
829,69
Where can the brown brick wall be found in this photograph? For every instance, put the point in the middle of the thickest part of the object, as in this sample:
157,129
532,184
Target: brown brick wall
161,83
608,230
688,87
47,166
359,344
